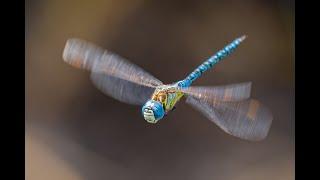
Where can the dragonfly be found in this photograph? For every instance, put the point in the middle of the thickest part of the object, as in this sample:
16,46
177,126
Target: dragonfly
229,106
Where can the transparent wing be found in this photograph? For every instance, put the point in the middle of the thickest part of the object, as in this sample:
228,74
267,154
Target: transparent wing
232,92
85,55
122,90
110,73
247,119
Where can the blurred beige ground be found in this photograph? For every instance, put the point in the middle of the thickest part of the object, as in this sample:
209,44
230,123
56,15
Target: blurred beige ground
45,164
73,131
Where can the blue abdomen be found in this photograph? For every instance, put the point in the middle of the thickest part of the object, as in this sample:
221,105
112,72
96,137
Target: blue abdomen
210,62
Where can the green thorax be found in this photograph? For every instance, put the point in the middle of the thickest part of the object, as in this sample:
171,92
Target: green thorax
168,95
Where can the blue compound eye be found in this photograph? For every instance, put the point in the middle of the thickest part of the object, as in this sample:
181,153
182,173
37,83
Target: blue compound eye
153,111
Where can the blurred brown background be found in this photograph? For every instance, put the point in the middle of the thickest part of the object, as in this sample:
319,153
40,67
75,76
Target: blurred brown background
73,131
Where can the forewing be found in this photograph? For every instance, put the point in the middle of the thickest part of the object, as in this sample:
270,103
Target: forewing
247,119
85,55
232,92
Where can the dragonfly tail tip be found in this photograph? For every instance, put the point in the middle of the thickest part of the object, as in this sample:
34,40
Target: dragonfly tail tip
242,38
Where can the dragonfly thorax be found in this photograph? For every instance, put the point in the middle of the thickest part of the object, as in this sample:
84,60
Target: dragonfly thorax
162,101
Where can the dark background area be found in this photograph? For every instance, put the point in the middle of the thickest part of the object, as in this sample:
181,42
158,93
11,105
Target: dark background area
73,131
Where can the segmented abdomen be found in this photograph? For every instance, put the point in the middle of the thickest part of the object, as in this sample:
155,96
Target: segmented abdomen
210,62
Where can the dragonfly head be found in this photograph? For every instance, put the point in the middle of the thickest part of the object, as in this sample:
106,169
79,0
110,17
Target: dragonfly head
153,111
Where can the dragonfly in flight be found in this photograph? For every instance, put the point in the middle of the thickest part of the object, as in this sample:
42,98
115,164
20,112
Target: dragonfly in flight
229,106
